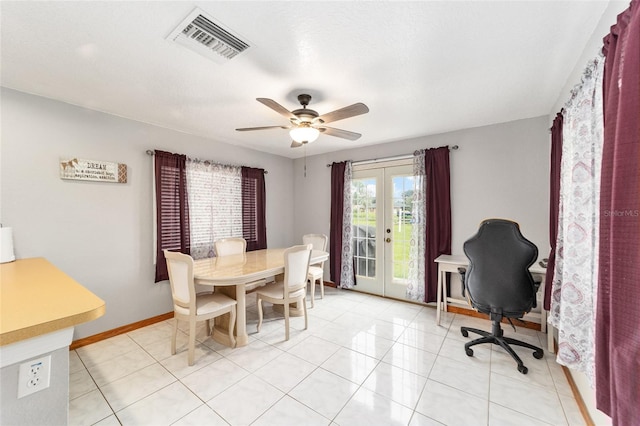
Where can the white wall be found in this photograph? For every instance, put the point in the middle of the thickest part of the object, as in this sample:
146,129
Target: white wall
101,233
592,47
500,170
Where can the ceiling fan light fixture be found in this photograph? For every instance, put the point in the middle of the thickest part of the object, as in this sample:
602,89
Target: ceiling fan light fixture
304,133
306,124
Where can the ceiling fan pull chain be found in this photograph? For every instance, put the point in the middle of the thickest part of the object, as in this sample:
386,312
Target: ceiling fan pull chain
305,159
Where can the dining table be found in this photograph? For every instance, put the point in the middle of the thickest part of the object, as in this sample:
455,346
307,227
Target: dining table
230,274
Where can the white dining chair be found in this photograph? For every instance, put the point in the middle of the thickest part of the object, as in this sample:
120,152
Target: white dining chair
192,307
316,271
293,289
228,246
235,245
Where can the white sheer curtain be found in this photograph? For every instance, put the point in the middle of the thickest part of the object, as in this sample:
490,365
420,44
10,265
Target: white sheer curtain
347,276
573,299
415,287
215,204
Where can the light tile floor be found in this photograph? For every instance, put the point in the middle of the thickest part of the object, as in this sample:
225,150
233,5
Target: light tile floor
363,361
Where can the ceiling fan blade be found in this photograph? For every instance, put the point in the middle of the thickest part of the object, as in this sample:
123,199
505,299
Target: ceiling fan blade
277,108
245,129
295,144
339,133
342,113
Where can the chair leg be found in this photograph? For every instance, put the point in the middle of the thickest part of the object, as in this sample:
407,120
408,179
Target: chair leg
321,288
174,334
496,337
479,341
259,303
232,324
306,317
465,331
313,290
538,351
504,345
286,321
192,340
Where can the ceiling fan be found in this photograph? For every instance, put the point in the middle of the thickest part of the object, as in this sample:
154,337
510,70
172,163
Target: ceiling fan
307,124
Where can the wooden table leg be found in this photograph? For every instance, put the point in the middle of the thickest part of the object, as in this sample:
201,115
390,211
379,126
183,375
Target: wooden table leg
221,327
444,291
550,339
439,298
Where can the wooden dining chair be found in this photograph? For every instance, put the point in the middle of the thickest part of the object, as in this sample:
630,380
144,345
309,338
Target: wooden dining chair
235,245
316,271
227,246
192,307
293,289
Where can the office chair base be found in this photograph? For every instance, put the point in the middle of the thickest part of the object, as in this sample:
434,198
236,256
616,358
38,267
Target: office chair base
496,337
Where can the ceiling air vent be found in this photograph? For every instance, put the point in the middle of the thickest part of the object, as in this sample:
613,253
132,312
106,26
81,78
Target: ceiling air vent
208,38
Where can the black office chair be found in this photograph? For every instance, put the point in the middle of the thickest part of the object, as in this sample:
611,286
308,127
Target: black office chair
499,282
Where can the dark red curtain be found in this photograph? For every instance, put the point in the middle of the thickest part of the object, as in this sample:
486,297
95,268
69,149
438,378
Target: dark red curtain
554,203
618,303
254,224
438,226
172,208
337,211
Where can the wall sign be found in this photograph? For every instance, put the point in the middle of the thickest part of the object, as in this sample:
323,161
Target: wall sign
93,170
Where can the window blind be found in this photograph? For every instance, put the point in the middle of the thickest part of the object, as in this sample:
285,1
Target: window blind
254,228
172,208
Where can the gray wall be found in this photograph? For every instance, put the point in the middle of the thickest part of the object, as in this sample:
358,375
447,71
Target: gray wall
46,407
500,170
101,233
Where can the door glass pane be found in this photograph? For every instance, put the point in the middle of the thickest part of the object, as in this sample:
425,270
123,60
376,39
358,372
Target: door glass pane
363,200
402,198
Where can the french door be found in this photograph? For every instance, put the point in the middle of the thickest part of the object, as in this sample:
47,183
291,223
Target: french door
381,202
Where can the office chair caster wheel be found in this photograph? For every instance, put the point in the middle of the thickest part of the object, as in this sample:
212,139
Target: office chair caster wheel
523,369
465,333
538,354
469,351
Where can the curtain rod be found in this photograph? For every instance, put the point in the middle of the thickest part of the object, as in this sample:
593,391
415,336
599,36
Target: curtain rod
397,157
151,152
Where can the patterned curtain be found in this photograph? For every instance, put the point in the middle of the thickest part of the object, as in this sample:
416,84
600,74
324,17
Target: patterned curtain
215,204
347,275
576,268
431,234
415,287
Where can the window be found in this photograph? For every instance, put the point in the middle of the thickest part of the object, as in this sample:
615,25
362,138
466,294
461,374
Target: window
363,199
215,204
199,202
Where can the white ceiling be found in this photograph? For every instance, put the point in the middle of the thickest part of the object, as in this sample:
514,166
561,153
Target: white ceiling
421,67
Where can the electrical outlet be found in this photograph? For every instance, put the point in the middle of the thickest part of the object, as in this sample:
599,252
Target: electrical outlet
34,375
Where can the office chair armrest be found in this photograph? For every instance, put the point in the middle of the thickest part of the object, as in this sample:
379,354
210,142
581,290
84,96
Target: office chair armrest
463,273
